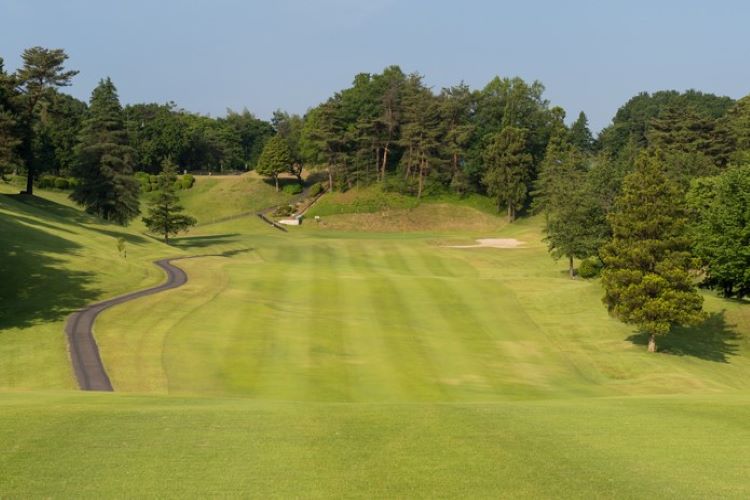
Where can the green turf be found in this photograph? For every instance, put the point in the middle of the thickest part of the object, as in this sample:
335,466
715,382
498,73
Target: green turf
214,198
54,259
323,362
73,445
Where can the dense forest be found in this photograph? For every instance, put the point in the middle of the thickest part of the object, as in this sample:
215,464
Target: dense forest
505,141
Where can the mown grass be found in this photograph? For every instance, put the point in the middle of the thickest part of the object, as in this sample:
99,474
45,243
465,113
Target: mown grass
53,260
300,316
325,362
93,445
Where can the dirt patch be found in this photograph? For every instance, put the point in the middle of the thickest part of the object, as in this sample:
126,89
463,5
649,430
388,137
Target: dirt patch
493,243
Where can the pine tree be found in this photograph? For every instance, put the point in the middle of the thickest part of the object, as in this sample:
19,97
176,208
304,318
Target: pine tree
275,159
646,277
575,221
42,72
165,215
580,135
509,168
106,186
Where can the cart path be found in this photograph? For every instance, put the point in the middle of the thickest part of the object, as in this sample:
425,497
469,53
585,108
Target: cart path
84,353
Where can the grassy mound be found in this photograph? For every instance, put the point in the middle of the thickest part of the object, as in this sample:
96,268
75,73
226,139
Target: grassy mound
373,210
214,198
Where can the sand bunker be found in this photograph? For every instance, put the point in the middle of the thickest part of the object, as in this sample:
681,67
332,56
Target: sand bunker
493,243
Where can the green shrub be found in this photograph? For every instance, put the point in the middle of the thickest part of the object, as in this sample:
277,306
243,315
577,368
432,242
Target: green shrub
46,181
316,189
61,183
292,188
72,182
146,188
590,268
187,181
284,211
153,179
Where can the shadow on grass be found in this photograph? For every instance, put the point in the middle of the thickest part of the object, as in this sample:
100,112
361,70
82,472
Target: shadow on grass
129,237
35,286
71,215
712,340
188,242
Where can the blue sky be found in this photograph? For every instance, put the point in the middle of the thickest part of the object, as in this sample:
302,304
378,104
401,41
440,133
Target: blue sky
292,54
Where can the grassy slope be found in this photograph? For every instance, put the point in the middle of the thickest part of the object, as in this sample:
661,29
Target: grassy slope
54,259
416,370
214,198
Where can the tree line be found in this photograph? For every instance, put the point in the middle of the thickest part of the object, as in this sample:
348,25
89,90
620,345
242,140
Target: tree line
40,126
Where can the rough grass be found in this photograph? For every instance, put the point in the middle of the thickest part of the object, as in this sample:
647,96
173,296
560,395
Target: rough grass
213,198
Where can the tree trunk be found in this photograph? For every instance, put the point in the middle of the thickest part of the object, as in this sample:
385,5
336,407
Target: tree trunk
30,181
421,179
385,162
571,269
652,343
330,178
276,180
511,213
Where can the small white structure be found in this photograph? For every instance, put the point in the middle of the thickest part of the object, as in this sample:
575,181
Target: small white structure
295,221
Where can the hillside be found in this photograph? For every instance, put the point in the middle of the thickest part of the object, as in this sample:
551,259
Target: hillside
53,259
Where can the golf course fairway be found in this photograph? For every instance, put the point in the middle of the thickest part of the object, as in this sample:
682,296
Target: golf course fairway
333,361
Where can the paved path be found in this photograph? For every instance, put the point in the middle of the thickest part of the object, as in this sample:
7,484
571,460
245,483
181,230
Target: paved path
84,353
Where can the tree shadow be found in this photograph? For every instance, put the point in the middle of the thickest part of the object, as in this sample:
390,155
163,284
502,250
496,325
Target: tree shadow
35,222
712,340
129,237
35,286
54,208
188,242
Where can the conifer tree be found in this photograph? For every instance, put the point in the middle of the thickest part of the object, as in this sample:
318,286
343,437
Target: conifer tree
106,186
580,134
509,168
165,215
275,159
575,223
42,72
647,277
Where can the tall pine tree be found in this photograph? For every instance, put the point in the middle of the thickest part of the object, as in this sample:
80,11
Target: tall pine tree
42,72
509,168
647,277
575,221
165,215
106,186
